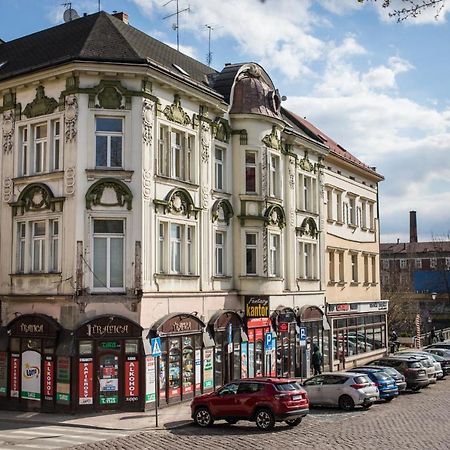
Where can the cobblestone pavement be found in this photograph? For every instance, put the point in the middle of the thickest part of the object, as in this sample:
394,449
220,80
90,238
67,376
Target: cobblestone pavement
418,421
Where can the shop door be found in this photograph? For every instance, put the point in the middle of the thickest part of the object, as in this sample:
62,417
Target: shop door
108,384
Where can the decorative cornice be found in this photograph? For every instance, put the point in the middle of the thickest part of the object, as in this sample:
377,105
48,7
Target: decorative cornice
37,197
227,210
41,105
272,140
95,193
177,201
176,113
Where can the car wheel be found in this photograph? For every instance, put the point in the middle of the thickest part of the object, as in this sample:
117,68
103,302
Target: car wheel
294,422
389,399
346,403
203,417
264,419
415,388
231,421
367,405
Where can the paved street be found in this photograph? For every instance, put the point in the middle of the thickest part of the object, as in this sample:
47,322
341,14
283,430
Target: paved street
22,436
412,421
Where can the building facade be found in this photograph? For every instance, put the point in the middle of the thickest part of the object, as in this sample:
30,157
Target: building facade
145,195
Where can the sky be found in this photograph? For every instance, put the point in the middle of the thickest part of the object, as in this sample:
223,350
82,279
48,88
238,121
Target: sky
378,87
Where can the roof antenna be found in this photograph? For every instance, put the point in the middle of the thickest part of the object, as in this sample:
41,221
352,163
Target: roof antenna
69,14
99,5
209,54
177,25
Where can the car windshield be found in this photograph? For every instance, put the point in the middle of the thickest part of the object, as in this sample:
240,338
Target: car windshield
362,379
414,365
438,358
390,371
380,376
287,386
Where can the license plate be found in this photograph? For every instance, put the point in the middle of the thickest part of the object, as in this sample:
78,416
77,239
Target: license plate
296,397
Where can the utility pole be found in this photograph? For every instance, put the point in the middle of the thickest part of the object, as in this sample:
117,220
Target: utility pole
177,25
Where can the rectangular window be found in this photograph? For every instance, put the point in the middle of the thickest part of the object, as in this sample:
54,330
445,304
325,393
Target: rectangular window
40,147
54,246
274,255
331,267
341,267
218,169
307,193
371,216
56,145
250,172
274,170
433,263
108,258
24,151
161,247
21,239
366,269
418,263
175,248
339,217
250,253
403,264
364,214
108,142
38,246
351,211
330,204
354,263
190,249
163,149
220,252
374,269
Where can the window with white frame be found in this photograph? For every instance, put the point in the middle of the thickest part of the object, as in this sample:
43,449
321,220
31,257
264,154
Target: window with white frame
176,153
330,205
274,175
331,266
251,253
274,255
374,269
109,142
354,266
250,172
108,255
346,213
403,264
38,249
339,217
341,263
371,216
40,147
364,214
418,263
366,269
307,198
219,169
308,260
351,211
176,248
220,253
433,263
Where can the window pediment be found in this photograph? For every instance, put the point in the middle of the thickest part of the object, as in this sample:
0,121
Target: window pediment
275,215
37,197
222,210
97,194
308,228
177,201
176,113
41,105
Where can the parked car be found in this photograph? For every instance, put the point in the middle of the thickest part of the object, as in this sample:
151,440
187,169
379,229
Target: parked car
436,371
415,373
343,389
444,362
263,400
384,382
445,355
444,344
393,373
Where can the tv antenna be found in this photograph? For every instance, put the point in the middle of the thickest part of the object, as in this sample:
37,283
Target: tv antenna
177,25
69,14
209,54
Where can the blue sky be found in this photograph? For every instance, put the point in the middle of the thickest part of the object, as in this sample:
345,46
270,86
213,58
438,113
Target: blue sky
377,87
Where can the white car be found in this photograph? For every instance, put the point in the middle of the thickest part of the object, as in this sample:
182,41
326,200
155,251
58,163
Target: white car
434,368
343,389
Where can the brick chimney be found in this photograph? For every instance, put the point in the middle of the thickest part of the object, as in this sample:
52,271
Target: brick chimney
412,226
123,16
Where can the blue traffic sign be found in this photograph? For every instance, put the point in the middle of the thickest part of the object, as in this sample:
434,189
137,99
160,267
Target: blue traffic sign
303,334
268,341
156,346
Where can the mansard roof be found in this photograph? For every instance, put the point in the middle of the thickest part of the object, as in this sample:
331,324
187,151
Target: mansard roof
98,37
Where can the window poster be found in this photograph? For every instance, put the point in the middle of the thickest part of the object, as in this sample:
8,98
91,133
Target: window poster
15,375
109,379
85,378
31,375
150,380
208,366
198,369
244,360
63,380
131,379
3,373
251,359
49,378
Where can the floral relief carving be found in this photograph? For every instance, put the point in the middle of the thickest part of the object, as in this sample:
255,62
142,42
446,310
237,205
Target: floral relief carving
7,189
291,173
37,197
9,120
146,184
272,140
205,141
41,105
147,121
275,216
264,172
70,117
176,113
94,196
205,198
292,218
265,250
69,181
306,165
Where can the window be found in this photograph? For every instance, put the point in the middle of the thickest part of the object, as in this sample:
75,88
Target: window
175,154
308,260
220,253
250,253
371,216
364,214
274,255
366,269
345,213
307,197
447,263
351,211
219,162
403,264
40,147
21,231
418,263
354,263
433,263
108,142
54,246
176,253
374,269
330,205
385,264
56,145
274,170
108,255
250,172
38,246
341,267
331,268
339,207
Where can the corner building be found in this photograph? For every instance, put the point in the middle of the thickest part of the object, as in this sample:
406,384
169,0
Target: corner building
146,195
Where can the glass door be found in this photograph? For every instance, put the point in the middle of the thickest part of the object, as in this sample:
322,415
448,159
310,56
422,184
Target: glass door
108,374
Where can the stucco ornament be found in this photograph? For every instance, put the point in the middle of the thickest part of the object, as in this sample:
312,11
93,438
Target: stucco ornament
70,117
264,172
41,105
306,165
265,251
272,140
123,195
291,173
205,197
147,121
9,120
292,218
7,189
69,181
146,184
176,113
205,141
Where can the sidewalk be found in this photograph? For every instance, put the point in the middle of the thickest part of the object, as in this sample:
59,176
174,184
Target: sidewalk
170,417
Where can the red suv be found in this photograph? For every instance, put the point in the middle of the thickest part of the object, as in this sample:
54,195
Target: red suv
263,400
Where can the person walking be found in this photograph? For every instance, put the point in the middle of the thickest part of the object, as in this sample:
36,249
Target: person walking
317,360
394,342
433,336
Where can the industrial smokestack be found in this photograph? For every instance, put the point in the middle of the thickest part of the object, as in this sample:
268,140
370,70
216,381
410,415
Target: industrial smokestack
412,226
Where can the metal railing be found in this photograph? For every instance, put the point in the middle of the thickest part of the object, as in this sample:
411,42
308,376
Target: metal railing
424,339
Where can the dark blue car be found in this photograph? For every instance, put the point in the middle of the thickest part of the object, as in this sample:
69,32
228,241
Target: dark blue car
385,384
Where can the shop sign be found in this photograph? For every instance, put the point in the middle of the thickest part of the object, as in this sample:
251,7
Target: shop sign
283,327
109,327
208,366
257,323
256,306
3,373
31,375
181,323
131,379
365,307
150,385
85,376
109,345
15,374
34,325
48,378
198,369
63,380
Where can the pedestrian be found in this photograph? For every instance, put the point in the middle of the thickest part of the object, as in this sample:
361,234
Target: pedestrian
317,360
441,336
432,336
394,342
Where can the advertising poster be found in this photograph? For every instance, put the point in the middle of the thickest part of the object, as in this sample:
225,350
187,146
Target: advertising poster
150,381
251,359
244,360
15,375
198,369
3,373
162,378
85,377
63,380
273,368
131,379
48,378
208,366
31,375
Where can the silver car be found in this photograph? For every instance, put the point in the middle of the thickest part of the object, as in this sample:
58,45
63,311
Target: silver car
434,369
343,389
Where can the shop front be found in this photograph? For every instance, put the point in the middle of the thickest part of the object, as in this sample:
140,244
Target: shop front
180,363
109,365
359,331
231,347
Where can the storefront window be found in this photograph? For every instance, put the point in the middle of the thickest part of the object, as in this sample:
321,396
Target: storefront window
85,347
174,367
131,346
218,366
109,378
259,355
188,365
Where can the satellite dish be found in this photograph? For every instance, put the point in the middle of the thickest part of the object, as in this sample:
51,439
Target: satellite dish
70,14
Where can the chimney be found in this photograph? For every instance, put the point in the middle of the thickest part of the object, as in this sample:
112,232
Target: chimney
123,16
412,226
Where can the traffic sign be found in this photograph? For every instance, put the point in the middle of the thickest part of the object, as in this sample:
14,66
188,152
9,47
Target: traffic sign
156,346
268,341
303,334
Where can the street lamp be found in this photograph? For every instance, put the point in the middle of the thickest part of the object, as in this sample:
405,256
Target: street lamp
433,295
